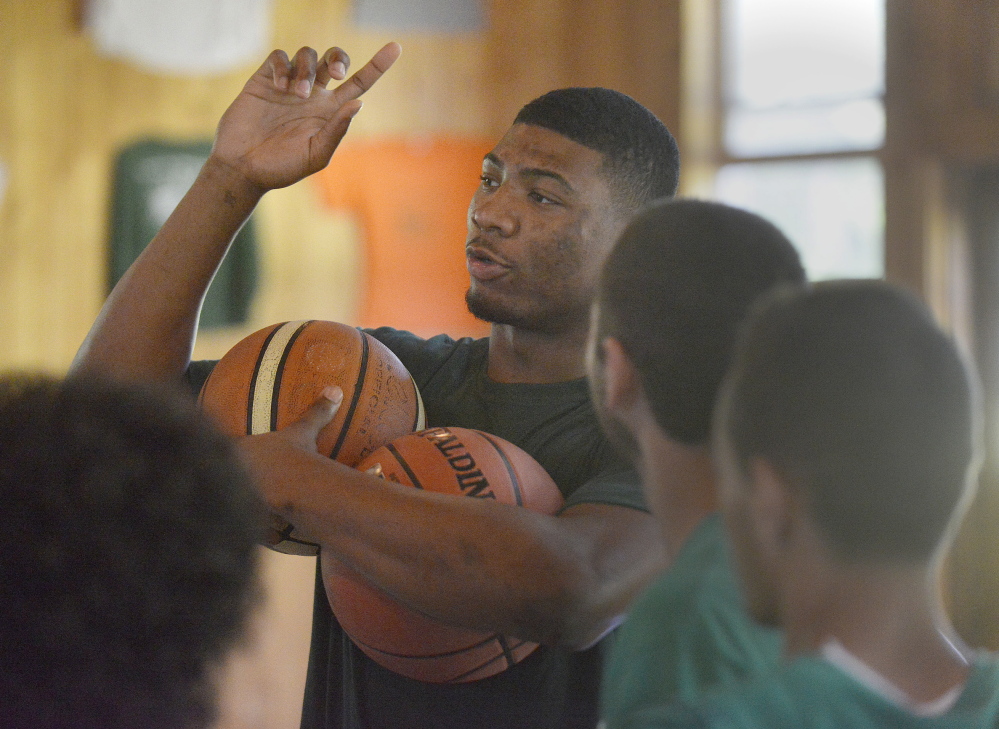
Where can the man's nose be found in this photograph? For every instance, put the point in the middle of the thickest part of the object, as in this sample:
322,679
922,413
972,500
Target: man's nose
495,211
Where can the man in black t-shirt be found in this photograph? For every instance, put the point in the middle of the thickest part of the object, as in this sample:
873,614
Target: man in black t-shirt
556,191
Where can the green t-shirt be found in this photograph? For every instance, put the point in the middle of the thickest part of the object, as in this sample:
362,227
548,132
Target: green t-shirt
687,632
811,693
553,688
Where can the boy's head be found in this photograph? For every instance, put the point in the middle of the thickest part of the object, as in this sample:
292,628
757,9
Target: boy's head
673,292
128,550
849,397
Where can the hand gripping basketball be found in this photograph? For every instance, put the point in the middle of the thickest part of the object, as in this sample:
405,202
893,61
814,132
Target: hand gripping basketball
275,376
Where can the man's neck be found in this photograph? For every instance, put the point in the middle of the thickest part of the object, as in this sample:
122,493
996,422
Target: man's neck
518,355
680,482
887,617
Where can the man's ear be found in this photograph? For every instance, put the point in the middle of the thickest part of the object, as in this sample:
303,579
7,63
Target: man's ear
770,508
621,383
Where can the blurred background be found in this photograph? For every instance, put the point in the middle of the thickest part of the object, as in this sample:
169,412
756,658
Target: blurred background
867,129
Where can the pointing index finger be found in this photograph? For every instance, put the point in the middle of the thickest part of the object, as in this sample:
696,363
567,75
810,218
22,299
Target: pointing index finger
366,77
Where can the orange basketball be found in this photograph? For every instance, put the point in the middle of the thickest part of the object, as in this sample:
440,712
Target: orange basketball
464,463
271,377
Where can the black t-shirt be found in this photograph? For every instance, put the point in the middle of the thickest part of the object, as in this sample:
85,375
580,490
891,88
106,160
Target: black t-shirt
553,688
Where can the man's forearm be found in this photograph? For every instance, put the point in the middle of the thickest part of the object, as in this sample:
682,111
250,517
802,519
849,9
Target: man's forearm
147,326
466,562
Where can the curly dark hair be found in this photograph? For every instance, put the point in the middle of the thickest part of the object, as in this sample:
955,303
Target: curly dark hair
641,156
128,550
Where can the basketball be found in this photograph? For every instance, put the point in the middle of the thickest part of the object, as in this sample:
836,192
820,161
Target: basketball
464,463
271,377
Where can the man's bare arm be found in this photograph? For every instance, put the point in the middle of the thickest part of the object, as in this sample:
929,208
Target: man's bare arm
474,563
284,125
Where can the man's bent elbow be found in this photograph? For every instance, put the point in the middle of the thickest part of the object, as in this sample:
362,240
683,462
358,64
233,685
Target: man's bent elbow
571,623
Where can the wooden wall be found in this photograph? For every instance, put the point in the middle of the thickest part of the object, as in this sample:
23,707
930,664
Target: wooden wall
942,109
629,45
941,160
65,111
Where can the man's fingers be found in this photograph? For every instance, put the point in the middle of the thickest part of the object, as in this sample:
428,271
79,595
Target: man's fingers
333,65
366,77
278,68
304,72
277,530
335,128
322,411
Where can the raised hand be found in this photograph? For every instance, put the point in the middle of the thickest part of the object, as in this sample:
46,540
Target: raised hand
285,124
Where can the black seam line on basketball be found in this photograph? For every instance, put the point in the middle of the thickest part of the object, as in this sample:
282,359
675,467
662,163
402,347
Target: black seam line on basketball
405,466
253,379
419,404
362,375
514,481
462,676
296,540
507,651
429,656
280,371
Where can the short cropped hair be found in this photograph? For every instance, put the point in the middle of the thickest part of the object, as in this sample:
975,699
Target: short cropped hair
641,156
128,535
853,394
674,291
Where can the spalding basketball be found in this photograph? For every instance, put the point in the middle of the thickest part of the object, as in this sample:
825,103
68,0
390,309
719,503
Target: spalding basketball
467,464
271,377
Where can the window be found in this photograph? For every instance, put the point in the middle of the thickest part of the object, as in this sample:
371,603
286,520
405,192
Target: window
802,122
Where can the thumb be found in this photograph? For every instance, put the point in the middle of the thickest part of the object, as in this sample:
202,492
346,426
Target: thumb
321,412
329,137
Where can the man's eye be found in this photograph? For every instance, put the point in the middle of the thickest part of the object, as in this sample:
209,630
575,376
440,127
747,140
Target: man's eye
542,198
488,181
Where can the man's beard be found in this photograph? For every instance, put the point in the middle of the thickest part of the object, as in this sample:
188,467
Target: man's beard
481,309
549,322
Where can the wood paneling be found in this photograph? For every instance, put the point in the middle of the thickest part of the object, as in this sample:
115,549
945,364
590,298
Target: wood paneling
65,111
943,76
629,45
940,159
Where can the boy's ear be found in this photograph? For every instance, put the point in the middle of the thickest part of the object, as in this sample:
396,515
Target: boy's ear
621,384
770,508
